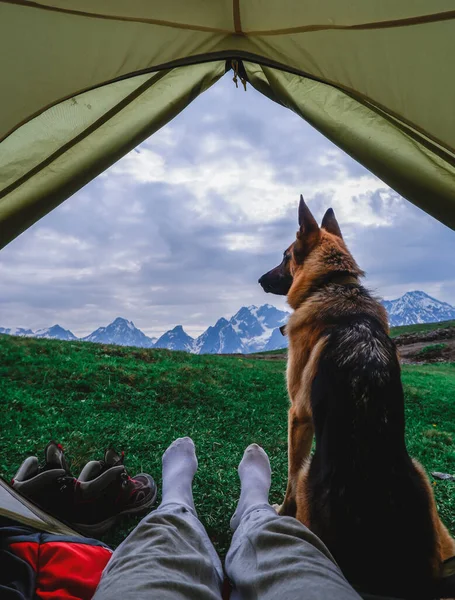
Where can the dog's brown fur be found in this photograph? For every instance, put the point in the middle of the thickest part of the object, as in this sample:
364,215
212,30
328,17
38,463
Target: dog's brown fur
321,280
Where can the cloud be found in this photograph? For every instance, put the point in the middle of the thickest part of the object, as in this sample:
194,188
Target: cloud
181,228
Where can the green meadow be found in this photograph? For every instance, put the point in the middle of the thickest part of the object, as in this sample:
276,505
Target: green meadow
89,397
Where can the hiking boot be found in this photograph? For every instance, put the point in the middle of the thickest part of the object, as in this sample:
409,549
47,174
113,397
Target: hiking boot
50,486
104,492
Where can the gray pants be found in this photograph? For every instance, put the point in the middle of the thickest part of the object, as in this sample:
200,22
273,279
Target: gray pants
169,556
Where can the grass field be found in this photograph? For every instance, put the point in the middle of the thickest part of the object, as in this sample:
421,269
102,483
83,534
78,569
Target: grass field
89,396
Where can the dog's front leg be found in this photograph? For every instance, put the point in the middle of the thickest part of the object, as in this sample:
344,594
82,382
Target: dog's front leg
300,438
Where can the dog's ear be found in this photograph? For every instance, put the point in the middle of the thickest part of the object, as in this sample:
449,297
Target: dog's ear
308,233
307,222
330,224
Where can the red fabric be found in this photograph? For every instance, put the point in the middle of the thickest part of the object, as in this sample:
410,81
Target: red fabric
28,551
65,570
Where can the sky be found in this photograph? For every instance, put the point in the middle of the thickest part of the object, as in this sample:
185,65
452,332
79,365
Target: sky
181,228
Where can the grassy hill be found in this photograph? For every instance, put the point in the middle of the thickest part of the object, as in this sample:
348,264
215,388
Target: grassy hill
88,396
420,328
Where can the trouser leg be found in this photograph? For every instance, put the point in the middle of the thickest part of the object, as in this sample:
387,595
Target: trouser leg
168,556
275,557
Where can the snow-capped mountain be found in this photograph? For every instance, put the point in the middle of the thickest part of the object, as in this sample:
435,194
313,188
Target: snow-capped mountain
19,331
175,339
210,342
417,307
251,329
276,341
122,333
55,333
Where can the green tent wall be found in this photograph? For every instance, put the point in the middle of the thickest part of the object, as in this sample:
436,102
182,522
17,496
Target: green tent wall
85,81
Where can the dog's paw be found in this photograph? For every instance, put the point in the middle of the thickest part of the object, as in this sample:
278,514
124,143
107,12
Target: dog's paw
277,507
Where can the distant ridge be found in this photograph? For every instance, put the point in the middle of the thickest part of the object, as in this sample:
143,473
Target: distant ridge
251,329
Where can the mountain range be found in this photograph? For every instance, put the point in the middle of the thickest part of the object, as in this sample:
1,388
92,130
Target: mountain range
251,329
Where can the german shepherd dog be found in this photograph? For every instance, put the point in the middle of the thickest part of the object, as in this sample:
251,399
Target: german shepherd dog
360,492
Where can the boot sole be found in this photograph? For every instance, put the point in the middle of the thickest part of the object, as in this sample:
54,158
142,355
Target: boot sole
103,526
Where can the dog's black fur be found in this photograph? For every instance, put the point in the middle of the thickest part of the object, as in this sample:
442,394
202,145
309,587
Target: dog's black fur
358,414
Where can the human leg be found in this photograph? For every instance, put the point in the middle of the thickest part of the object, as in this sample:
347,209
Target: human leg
168,556
277,557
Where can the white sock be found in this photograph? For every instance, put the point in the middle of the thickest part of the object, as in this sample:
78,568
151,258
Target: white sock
255,479
179,468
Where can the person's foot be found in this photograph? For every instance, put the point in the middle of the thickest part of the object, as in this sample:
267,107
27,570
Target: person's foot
179,468
255,479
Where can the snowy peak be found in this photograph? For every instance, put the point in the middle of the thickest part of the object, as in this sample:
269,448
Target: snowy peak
176,339
18,331
121,323
55,333
230,341
251,329
52,333
245,322
276,341
221,323
210,342
270,316
417,307
120,332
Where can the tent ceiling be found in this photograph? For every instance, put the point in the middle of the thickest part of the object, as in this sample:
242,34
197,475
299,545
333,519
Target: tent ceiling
71,69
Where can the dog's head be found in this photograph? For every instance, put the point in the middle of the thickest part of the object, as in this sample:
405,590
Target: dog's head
309,236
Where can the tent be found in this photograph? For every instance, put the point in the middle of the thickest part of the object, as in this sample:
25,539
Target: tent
18,508
85,81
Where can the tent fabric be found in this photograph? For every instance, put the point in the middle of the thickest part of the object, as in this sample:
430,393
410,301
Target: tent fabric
414,170
84,81
52,156
14,506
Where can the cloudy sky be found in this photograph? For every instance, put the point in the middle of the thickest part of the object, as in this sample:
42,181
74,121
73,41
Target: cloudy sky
180,229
